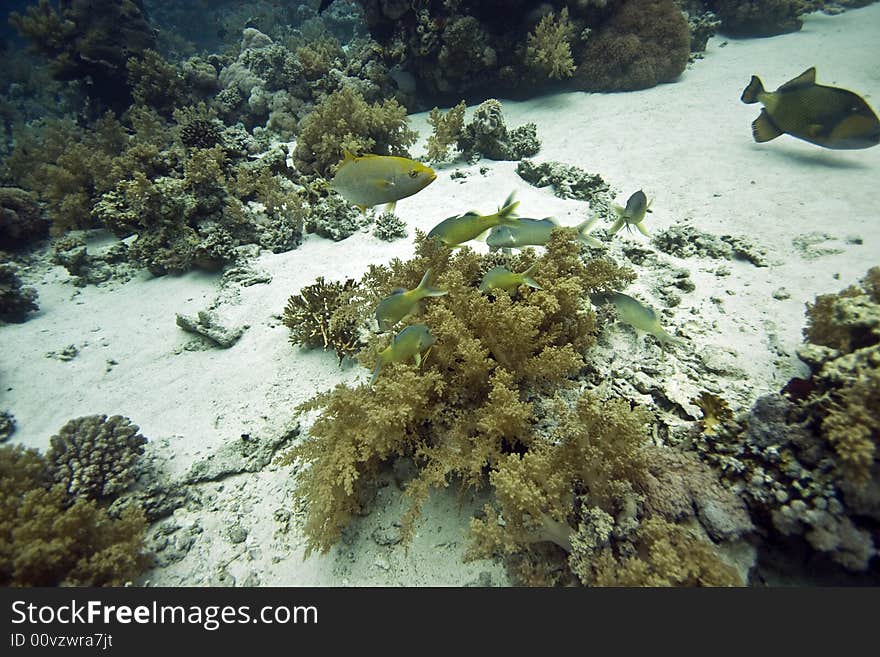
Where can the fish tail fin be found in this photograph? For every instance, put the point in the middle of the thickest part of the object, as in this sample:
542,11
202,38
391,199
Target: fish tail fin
752,92
425,290
527,276
507,212
763,128
380,363
585,227
667,339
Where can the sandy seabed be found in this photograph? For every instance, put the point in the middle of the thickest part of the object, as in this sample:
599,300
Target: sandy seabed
688,145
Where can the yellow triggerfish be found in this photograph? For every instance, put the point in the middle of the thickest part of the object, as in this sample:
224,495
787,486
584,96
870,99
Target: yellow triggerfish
371,180
455,231
402,302
636,314
502,278
633,214
411,342
825,116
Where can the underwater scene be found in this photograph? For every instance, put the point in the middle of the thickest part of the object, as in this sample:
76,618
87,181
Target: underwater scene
439,293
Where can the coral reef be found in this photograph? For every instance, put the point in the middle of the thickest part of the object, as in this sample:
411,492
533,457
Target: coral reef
591,502
334,218
488,136
684,241
90,41
50,539
467,406
21,221
759,17
95,456
806,461
110,264
16,301
646,42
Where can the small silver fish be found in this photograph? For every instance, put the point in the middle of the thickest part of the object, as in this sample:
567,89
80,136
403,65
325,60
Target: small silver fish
535,232
635,313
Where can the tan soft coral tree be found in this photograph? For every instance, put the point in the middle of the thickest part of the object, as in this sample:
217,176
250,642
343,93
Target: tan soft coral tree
468,406
573,508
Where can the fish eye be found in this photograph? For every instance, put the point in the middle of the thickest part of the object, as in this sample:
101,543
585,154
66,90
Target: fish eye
413,173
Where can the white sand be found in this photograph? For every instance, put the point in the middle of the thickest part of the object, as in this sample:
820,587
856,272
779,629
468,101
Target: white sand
688,145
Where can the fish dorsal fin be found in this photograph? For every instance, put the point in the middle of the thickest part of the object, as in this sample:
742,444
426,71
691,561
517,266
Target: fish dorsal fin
347,156
805,79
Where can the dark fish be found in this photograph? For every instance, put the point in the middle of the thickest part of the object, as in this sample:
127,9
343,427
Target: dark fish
324,4
825,116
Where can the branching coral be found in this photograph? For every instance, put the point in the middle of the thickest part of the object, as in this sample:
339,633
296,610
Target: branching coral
68,167
49,539
345,121
549,46
95,457
715,412
583,505
155,82
447,131
325,315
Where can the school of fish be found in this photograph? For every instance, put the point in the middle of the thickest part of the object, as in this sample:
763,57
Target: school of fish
830,117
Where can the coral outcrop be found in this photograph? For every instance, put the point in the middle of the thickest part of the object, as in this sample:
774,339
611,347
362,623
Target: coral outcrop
646,42
344,121
95,456
487,136
21,220
807,461
16,300
48,538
